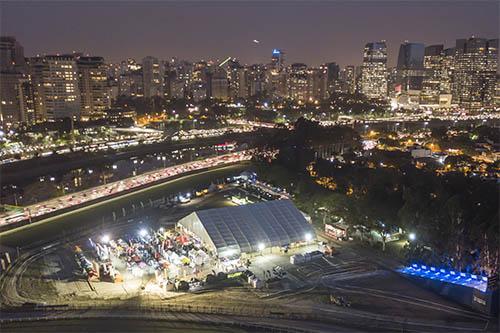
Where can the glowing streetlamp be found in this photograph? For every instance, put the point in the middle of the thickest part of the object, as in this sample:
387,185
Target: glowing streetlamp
412,236
261,246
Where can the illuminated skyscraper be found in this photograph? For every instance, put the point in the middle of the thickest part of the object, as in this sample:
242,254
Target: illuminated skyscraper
92,78
130,82
374,70
277,74
433,66
12,74
298,82
278,60
333,71
411,66
436,87
152,73
237,76
475,72
317,83
56,89
219,85
256,75
347,78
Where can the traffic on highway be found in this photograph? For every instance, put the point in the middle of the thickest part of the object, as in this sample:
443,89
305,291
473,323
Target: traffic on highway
118,187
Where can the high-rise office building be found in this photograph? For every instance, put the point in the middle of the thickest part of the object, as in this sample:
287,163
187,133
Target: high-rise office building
152,72
10,114
278,60
298,82
26,100
12,72
436,86
237,76
317,83
433,66
11,55
347,79
94,89
257,83
448,68
374,70
131,81
219,85
56,88
474,77
410,66
276,74
333,71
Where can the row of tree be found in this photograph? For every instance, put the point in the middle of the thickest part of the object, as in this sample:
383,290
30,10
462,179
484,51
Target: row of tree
455,217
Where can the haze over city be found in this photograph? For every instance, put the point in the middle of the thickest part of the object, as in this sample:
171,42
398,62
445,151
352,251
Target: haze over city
312,32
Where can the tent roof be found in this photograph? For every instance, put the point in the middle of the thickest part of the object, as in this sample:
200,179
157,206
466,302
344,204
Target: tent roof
272,223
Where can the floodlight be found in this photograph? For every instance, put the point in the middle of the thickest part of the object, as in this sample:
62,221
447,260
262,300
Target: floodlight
105,238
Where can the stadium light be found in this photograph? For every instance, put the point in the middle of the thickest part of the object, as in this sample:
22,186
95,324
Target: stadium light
105,239
412,236
308,237
261,246
143,232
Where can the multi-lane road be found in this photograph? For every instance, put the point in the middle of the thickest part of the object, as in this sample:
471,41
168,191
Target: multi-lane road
79,199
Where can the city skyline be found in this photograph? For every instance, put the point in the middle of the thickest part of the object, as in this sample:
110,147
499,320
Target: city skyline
249,166
112,36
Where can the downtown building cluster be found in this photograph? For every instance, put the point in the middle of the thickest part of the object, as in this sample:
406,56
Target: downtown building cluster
51,87
227,80
433,77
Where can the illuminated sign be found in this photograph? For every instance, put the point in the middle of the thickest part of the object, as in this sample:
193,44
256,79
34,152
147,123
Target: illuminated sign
276,52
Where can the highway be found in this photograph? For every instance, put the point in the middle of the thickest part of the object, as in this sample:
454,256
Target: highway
101,212
82,198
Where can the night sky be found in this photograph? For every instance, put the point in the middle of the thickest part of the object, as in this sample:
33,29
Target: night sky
314,32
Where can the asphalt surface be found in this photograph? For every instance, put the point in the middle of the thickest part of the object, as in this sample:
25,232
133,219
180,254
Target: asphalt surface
102,213
117,325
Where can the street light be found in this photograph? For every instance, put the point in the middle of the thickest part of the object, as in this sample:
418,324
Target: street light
261,246
412,236
308,237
